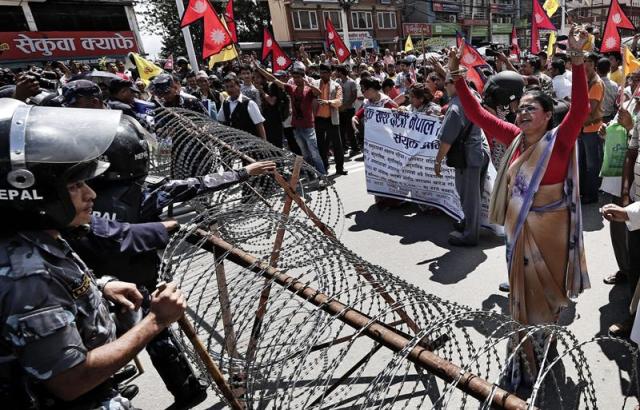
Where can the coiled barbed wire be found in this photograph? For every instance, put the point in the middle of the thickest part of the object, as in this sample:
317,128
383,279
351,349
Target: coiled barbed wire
301,354
190,144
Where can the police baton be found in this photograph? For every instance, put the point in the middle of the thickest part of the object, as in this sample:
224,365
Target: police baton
187,328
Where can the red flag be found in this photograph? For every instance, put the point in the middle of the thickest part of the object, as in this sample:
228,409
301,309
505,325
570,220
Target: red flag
617,19
535,39
472,59
196,10
617,16
215,37
514,48
540,18
610,39
231,23
333,38
280,60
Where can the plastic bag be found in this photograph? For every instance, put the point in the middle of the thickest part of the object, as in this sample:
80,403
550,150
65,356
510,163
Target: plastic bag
615,150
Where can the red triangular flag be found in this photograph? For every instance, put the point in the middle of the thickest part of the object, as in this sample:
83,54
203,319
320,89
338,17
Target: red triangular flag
610,39
471,59
514,48
231,23
535,39
280,60
196,10
540,18
215,36
333,38
617,19
617,16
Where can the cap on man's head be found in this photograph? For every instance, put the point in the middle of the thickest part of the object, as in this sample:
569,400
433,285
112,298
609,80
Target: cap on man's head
299,65
161,83
79,88
118,84
280,74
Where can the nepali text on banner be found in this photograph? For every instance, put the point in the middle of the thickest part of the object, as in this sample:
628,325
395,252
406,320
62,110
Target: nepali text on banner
400,148
54,45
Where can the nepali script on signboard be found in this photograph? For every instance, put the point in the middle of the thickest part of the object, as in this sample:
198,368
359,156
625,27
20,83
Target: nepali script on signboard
400,148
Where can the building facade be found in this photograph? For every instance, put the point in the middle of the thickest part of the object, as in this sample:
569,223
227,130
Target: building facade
36,30
371,23
479,20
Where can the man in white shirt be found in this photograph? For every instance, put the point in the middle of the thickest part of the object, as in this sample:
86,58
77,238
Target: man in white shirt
561,84
238,111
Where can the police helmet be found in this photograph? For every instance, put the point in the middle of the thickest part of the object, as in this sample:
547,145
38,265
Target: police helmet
128,154
503,88
42,150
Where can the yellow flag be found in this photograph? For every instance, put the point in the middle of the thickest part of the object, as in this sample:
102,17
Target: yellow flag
227,53
408,45
552,43
146,69
629,63
551,6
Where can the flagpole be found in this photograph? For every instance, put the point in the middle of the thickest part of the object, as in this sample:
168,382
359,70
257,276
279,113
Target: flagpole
563,16
422,42
188,42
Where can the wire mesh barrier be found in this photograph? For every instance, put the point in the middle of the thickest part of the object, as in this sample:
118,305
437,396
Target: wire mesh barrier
191,144
295,320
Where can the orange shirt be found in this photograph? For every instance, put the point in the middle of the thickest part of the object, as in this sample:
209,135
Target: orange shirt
596,92
324,110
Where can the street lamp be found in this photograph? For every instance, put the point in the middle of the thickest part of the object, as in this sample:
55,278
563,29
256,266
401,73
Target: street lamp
346,6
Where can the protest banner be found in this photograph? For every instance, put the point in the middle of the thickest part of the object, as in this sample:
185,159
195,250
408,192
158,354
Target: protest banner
400,148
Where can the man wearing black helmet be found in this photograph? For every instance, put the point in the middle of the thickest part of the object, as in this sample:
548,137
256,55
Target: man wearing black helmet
168,91
82,94
59,347
125,234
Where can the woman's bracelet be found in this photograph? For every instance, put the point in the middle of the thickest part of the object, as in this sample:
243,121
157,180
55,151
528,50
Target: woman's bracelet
574,53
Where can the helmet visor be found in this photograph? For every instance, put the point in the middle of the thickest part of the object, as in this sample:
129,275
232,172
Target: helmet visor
67,135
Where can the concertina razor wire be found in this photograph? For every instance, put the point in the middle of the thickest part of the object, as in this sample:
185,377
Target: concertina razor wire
295,320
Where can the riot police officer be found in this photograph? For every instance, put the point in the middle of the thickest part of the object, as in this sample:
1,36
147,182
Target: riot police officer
126,233
58,344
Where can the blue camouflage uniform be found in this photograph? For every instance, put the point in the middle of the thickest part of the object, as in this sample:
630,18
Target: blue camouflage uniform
128,251
52,313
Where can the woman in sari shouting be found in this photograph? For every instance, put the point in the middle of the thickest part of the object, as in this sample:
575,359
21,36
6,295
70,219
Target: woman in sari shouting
536,197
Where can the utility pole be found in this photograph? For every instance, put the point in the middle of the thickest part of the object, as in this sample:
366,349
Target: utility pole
188,42
489,22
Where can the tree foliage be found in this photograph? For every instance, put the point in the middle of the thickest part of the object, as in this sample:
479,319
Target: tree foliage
161,17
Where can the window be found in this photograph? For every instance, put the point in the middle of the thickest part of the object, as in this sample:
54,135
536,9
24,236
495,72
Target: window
361,20
335,16
387,19
304,20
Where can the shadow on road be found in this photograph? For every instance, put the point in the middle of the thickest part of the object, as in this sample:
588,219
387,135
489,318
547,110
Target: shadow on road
415,226
591,218
613,312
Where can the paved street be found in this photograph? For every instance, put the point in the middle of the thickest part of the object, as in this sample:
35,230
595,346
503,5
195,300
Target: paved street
413,245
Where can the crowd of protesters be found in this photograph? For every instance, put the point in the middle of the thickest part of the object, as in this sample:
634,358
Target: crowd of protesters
543,121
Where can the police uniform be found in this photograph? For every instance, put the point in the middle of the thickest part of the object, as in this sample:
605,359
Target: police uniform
124,237
52,311
125,241
54,314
